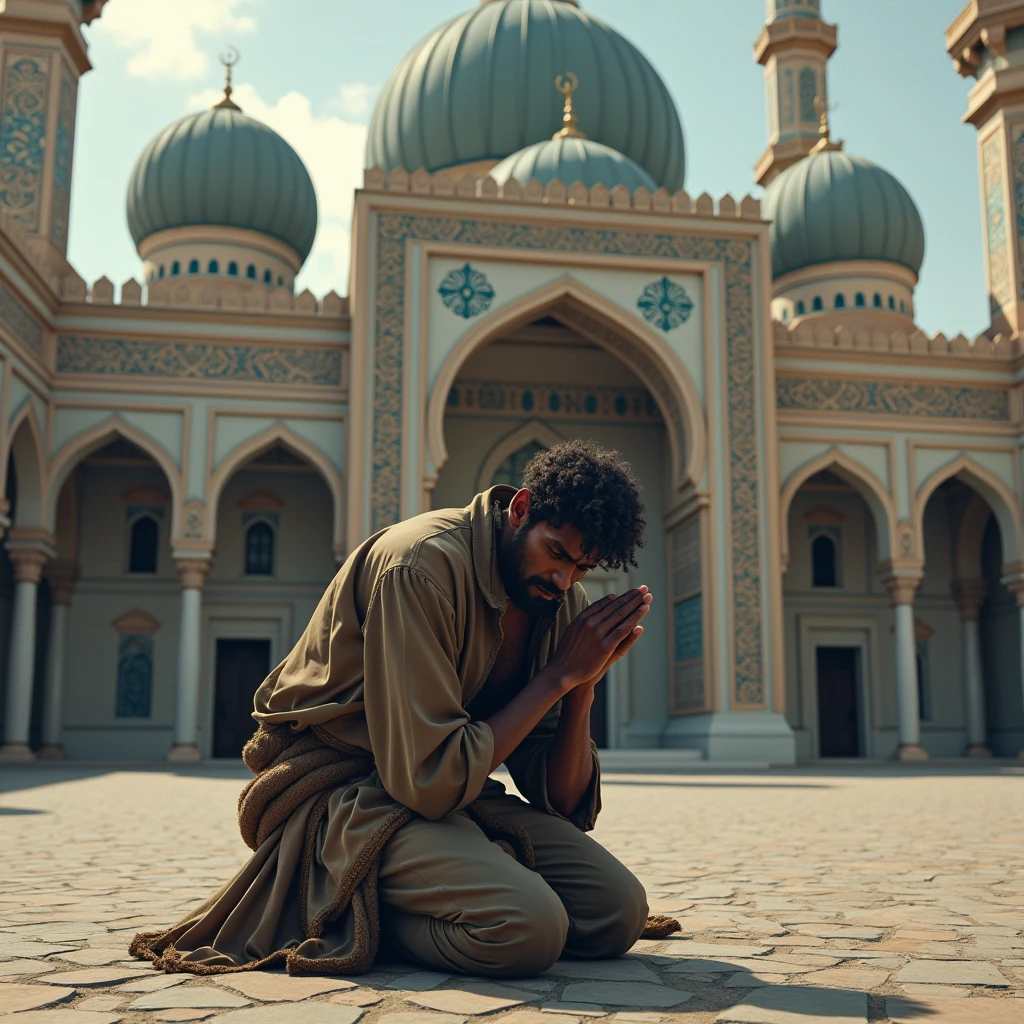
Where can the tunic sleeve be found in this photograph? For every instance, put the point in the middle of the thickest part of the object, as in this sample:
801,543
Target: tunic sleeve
528,766
429,755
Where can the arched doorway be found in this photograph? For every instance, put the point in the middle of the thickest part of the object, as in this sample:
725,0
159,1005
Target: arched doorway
838,617
274,557
526,389
1000,646
115,604
24,597
969,675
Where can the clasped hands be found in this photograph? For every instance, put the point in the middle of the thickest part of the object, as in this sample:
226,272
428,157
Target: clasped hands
599,637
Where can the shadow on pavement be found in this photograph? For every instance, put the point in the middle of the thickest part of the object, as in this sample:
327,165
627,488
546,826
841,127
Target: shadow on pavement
15,777
777,1001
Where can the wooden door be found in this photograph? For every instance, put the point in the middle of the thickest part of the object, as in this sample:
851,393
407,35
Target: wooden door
241,666
838,713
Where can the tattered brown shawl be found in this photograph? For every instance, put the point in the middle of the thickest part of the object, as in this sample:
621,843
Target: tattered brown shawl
292,772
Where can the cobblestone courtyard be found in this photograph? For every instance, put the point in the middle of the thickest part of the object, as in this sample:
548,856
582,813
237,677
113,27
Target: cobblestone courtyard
840,896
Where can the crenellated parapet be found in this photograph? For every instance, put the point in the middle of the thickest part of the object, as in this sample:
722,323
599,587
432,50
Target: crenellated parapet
879,339
558,193
201,295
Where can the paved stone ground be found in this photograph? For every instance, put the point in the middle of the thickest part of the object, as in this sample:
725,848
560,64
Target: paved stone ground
806,897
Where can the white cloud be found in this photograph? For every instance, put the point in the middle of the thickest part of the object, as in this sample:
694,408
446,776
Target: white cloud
332,150
355,98
162,36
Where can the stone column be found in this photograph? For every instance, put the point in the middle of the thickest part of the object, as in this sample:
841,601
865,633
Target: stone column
62,577
192,571
970,596
902,589
1015,584
28,559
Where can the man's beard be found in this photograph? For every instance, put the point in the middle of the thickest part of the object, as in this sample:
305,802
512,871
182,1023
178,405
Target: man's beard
517,584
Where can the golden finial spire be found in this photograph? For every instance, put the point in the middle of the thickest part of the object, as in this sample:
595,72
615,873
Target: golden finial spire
825,143
567,85
229,60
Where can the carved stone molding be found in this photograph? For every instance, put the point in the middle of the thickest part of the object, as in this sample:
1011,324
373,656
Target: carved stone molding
902,588
62,575
192,572
136,621
970,596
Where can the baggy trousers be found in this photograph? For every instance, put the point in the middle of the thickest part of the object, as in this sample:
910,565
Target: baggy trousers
452,900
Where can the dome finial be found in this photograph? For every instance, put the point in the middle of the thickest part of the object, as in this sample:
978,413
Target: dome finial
567,85
229,60
825,143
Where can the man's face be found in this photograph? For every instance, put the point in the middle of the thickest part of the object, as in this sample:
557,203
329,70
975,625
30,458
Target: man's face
539,563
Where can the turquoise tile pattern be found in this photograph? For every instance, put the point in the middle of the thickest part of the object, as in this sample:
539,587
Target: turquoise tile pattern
834,394
183,360
134,676
23,135
688,629
63,154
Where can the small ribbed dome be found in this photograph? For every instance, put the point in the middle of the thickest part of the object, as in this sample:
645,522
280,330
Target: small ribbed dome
832,206
570,160
221,168
481,87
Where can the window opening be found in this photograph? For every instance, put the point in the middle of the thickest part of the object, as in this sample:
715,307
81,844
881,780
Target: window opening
143,545
259,550
824,568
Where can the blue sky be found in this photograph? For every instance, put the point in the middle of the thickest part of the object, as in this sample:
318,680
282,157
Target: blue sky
311,69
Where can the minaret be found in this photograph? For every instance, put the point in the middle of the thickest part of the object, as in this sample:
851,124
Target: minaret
42,56
794,46
985,43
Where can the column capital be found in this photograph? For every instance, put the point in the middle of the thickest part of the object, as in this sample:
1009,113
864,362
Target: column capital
29,549
902,587
62,575
193,569
970,595
1013,580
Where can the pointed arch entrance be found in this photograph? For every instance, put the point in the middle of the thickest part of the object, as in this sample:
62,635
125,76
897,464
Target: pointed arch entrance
561,366
838,522
603,325
971,695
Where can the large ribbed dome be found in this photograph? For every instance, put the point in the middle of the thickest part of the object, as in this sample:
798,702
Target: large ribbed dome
481,87
570,160
221,168
832,206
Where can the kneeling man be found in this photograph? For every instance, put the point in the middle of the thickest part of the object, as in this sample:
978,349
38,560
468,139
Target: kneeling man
446,646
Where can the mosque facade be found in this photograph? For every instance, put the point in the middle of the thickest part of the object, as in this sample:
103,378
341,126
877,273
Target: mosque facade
835,499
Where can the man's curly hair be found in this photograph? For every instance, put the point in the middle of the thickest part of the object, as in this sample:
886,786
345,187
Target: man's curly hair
589,488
